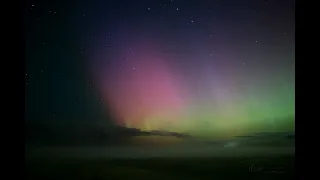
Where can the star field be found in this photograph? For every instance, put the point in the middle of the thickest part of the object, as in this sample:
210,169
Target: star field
209,68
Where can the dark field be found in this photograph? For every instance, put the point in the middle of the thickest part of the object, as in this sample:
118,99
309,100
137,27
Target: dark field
197,168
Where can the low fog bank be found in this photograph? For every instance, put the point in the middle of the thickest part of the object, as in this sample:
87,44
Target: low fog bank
133,143
150,152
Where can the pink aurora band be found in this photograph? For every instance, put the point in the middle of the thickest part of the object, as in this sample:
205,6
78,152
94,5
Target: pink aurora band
141,91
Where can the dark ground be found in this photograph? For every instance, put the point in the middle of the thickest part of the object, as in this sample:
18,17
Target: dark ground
224,168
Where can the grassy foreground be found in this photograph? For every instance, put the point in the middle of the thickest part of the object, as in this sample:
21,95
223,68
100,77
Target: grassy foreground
162,168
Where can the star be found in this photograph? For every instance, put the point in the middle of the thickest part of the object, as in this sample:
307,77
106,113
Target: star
134,68
177,9
256,41
42,70
149,9
192,21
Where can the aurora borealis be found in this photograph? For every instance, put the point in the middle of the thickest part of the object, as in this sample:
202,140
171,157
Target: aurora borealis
159,89
150,88
213,69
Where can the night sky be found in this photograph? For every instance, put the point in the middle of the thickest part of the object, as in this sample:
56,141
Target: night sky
207,68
